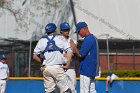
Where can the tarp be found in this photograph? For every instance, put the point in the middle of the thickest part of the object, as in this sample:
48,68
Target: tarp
118,18
26,19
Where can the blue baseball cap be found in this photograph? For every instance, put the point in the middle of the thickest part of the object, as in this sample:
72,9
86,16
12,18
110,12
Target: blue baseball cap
51,27
79,26
110,72
3,56
64,26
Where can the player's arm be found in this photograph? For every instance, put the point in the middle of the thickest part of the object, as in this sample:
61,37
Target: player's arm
107,81
68,51
86,46
107,85
37,51
37,58
7,74
68,56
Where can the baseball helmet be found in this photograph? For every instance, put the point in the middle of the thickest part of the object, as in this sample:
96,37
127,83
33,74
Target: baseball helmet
51,27
64,26
3,56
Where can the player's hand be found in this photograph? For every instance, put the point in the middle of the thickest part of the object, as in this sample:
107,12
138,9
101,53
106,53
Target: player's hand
65,55
65,68
7,78
42,68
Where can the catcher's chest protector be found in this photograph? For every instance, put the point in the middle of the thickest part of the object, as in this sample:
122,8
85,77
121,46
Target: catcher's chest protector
51,46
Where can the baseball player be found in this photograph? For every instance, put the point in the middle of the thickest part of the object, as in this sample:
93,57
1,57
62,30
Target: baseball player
51,48
111,76
88,62
4,73
64,30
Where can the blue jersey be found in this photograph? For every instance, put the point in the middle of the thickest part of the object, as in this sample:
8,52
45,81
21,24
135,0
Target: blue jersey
89,58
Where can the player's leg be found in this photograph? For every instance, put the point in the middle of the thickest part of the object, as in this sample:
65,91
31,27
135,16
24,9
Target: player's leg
3,87
84,84
49,82
61,79
92,86
72,75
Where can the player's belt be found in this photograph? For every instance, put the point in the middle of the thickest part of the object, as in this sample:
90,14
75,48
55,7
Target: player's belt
59,64
42,66
4,79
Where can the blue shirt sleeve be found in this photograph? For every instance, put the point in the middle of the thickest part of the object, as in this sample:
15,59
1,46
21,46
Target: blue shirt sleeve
86,46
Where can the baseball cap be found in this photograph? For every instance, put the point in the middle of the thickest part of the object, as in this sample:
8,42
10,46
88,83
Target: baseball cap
3,56
79,26
51,27
64,26
110,72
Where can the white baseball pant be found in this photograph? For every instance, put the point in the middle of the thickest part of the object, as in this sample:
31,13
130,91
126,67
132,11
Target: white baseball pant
55,75
87,85
2,86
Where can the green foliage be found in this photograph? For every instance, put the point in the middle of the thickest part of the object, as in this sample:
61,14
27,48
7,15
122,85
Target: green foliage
124,73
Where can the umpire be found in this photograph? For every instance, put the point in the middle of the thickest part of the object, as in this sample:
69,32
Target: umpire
51,46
